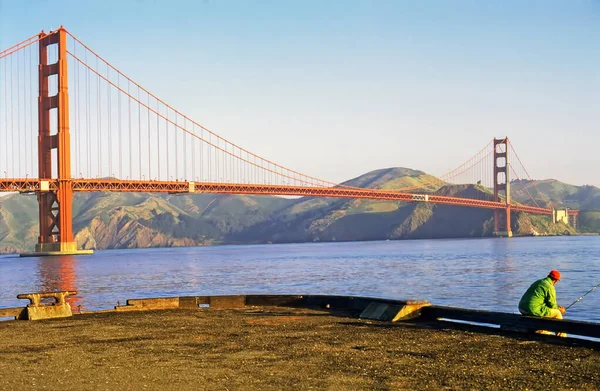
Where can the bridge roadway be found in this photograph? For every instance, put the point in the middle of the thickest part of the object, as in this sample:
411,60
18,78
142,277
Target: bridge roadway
129,186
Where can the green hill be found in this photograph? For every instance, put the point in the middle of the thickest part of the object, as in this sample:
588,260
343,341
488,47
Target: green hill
589,221
556,194
18,222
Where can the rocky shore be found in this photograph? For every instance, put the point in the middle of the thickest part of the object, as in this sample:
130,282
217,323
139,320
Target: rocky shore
275,348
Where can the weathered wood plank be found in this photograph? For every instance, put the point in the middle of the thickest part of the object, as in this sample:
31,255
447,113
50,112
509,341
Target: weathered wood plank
13,311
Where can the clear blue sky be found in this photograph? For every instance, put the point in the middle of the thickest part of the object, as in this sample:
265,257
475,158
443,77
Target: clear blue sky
338,88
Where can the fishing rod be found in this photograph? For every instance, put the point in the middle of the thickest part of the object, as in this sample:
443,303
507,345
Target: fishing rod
581,298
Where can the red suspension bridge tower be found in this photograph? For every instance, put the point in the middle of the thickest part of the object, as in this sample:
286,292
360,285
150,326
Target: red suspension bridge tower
501,184
55,206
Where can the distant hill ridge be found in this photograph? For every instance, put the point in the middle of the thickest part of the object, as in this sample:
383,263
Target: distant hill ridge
130,220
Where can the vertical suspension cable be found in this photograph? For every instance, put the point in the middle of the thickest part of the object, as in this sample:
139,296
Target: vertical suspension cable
12,122
489,169
158,141
149,170
77,131
31,126
139,133
24,130
77,141
480,193
223,156
507,173
191,147
19,147
25,117
25,127
82,122
130,131
2,88
119,129
2,119
5,116
176,150
192,151
99,123
88,115
185,149
226,163
166,134
109,125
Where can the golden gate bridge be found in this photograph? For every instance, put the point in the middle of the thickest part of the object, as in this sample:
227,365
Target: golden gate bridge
70,122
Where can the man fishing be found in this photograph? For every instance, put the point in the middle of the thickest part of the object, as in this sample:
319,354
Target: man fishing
540,299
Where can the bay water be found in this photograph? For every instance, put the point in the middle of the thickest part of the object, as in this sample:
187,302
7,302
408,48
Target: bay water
485,274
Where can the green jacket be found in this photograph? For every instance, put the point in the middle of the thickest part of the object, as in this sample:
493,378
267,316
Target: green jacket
539,299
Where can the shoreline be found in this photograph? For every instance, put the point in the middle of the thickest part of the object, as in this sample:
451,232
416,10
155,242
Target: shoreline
16,253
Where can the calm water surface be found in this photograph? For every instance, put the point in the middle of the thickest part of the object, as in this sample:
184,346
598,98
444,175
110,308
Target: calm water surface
488,274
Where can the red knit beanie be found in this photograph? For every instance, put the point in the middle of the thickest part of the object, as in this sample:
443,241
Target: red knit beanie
555,275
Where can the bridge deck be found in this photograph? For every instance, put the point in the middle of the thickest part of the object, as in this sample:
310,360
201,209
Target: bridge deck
111,185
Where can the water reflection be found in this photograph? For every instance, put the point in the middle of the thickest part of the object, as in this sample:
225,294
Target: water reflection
59,274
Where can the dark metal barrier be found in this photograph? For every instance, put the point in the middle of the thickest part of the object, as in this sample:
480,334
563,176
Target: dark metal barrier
512,321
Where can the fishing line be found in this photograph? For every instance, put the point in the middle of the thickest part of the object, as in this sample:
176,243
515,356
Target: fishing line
581,297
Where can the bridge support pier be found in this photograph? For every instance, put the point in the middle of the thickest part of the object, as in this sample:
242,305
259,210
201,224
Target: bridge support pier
573,218
55,206
561,215
507,232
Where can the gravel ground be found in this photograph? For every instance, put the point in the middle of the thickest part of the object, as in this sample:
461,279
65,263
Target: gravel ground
273,348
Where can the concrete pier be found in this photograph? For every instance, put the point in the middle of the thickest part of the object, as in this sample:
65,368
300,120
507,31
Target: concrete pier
56,249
